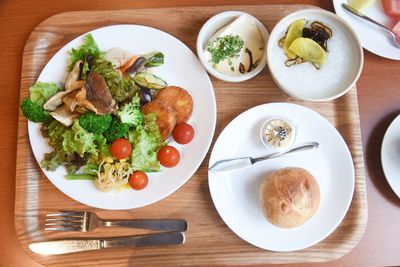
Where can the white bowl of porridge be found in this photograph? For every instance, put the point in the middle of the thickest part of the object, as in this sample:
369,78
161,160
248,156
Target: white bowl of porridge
299,72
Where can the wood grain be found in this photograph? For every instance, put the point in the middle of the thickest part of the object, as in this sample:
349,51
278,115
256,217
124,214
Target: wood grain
209,240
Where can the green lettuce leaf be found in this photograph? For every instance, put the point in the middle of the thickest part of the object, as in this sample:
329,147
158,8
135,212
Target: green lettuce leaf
73,147
40,92
79,140
147,141
88,48
121,88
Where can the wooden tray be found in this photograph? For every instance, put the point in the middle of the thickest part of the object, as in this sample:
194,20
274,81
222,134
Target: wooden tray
209,241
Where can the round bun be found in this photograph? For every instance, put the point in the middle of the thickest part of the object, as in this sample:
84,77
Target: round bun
289,197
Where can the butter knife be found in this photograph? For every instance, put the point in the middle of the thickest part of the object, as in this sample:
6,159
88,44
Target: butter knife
395,36
64,246
228,165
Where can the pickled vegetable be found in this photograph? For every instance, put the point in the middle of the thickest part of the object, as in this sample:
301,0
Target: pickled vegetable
308,50
295,31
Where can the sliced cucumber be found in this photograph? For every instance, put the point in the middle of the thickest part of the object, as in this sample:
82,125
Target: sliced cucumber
149,80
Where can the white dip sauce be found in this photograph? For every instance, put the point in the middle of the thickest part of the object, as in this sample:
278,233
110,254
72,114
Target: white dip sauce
246,28
278,133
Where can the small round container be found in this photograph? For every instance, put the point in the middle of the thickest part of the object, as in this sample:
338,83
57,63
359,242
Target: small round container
211,27
278,133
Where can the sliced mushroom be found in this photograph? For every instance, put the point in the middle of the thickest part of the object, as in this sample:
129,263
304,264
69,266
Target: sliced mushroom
72,82
98,94
64,115
70,100
83,102
55,101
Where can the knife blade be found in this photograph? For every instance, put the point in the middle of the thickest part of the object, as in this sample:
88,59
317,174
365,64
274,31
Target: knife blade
64,246
229,165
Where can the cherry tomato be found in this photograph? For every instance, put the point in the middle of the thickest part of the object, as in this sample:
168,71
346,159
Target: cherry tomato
183,133
168,156
138,180
121,148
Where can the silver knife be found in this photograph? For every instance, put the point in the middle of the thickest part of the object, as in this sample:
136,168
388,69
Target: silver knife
228,165
57,247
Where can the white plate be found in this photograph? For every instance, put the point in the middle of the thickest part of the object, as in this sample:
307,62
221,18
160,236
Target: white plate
181,68
373,38
236,195
339,73
390,155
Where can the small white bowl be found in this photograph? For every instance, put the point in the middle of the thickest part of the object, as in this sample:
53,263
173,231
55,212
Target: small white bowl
335,78
290,141
212,26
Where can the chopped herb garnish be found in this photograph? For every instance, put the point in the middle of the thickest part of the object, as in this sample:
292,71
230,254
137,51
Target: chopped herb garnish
232,69
226,47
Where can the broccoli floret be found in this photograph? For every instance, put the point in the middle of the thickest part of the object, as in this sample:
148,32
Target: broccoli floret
116,130
130,113
34,112
93,123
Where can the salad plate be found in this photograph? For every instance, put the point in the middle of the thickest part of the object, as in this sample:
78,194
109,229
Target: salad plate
373,38
181,68
236,194
390,155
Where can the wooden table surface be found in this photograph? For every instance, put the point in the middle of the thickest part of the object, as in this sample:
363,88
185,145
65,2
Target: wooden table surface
378,104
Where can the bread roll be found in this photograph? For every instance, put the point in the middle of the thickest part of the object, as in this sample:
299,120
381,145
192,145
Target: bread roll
289,197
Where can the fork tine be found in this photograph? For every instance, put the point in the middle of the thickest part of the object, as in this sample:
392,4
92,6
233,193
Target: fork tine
63,229
66,213
67,219
64,224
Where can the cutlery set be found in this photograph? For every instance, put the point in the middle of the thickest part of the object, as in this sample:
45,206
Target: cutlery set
86,221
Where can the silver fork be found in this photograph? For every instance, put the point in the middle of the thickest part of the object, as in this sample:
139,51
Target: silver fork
86,221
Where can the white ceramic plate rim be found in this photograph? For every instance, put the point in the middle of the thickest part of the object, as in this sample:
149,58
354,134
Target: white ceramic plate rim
390,167
249,226
210,27
303,13
181,68
373,38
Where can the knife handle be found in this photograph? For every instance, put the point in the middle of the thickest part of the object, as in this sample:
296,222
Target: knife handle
171,238
160,225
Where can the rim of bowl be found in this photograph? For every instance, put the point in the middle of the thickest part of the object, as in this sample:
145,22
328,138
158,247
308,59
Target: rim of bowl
203,37
353,35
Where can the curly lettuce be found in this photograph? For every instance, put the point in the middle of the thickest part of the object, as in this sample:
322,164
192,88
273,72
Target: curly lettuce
121,87
78,140
88,48
73,147
40,92
147,140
